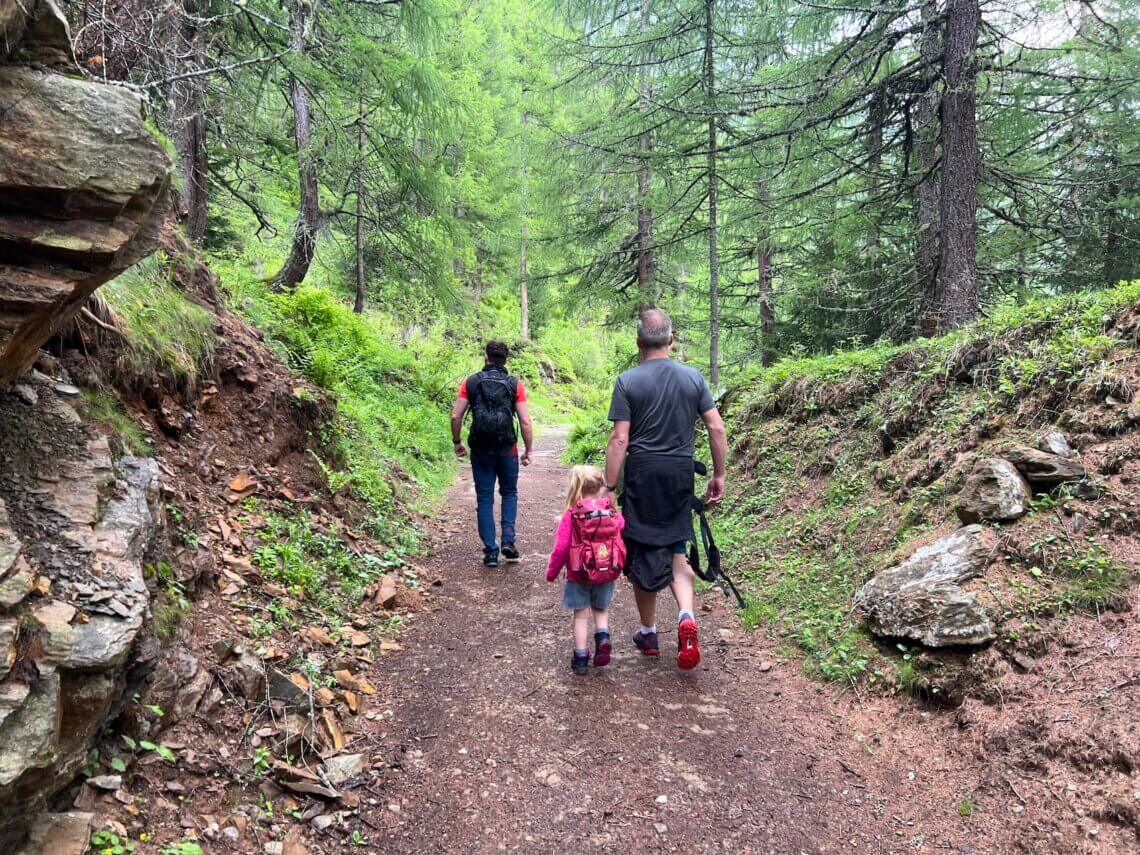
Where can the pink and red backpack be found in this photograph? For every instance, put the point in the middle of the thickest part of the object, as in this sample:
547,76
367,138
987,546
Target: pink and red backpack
597,551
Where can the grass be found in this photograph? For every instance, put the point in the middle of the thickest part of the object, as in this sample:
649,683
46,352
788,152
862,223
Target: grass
816,509
103,409
166,336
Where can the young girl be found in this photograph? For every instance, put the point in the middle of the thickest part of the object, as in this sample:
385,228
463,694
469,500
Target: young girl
588,538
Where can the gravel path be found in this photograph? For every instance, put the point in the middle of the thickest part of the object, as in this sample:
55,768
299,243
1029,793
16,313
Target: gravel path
499,747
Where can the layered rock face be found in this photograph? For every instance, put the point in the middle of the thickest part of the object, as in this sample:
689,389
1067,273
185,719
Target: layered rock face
83,188
922,598
75,530
83,182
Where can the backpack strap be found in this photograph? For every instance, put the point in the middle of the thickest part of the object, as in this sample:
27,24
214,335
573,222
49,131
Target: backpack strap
715,573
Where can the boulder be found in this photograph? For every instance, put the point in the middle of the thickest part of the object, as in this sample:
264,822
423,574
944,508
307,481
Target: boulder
1054,442
34,31
922,599
994,491
1042,469
83,191
60,834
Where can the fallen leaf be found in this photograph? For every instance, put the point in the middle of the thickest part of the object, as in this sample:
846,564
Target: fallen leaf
242,483
299,681
324,696
359,639
333,728
318,634
388,645
353,701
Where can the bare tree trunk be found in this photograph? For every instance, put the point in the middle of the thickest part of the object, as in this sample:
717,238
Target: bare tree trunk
957,270
714,301
926,264
187,119
524,295
358,305
304,244
764,288
876,118
644,211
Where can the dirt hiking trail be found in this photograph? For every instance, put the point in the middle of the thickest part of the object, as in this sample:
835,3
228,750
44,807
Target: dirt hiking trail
502,748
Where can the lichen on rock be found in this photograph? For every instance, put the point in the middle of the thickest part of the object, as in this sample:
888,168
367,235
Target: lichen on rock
922,599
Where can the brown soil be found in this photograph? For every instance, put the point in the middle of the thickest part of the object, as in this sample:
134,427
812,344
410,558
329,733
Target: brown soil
493,744
480,738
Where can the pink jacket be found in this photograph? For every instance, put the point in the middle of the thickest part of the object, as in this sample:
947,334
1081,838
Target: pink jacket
560,555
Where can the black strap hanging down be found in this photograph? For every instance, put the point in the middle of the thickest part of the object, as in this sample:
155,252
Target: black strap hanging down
715,574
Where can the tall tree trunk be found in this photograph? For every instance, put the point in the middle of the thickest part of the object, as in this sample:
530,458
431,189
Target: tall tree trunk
358,305
876,119
304,244
524,294
644,212
1113,267
957,269
187,119
926,148
714,301
764,288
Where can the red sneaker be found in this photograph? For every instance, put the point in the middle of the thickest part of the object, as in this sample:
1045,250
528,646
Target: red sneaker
688,651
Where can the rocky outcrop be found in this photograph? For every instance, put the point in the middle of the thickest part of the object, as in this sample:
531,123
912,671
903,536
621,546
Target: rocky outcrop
75,530
994,491
83,182
922,598
1042,469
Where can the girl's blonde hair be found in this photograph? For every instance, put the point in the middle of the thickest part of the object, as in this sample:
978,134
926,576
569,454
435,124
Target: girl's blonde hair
584,481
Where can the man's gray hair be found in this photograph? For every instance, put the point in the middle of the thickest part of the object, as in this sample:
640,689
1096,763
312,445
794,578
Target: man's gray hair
654,328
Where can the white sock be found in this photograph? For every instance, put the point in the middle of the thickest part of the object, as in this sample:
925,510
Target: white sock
685,613
645,630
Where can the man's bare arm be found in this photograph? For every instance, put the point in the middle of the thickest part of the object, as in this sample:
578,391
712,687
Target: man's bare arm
615,452
523,410
457,413
718,444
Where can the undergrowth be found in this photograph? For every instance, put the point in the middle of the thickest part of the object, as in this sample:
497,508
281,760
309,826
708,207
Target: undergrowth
104,409
166,335
318,568
395,383
816,506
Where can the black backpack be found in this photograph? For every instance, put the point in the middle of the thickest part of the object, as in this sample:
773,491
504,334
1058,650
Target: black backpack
492,396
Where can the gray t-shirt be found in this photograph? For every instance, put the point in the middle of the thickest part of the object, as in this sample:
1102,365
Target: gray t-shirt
661,400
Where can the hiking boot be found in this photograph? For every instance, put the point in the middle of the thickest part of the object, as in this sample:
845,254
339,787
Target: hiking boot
646,642
580,663
602,649
490,559
510,552
688,651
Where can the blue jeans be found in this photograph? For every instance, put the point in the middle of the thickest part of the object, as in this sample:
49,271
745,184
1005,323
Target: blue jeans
486,468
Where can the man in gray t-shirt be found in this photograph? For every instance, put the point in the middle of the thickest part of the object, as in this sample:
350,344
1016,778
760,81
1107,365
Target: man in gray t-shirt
654,410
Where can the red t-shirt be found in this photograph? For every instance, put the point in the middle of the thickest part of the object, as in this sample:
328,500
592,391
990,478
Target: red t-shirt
520,397
520,391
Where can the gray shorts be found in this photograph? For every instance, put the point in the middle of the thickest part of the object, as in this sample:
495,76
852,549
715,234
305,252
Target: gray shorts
577,596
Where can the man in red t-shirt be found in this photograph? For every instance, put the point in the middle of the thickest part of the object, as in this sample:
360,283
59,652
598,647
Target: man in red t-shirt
495,399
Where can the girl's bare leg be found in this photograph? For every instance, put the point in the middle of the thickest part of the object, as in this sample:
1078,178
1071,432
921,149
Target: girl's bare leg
581,628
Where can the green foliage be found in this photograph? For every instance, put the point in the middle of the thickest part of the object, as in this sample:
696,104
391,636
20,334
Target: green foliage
106,842
101,408
320,566
587,442
818,510
166,335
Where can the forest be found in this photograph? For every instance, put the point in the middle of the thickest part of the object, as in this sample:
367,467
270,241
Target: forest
789,179
251,252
